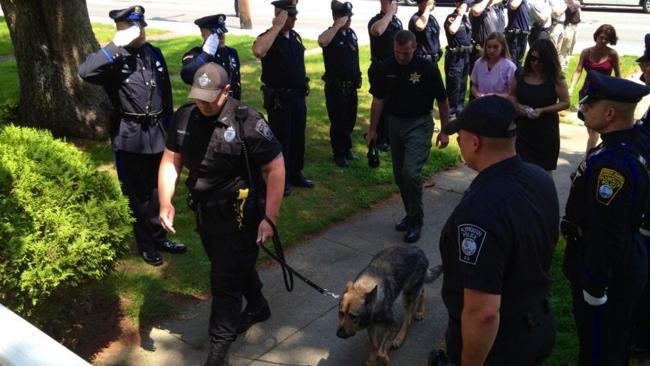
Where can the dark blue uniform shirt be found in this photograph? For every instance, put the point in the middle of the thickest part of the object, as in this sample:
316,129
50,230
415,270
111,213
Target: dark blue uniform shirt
137,83
518,18
428,40
284,63
381,48
226,56
409,90
341,57
462,35
483,24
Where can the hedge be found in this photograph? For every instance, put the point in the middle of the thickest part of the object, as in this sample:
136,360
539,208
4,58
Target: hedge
63,224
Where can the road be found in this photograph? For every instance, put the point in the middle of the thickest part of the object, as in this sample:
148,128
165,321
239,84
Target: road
631,24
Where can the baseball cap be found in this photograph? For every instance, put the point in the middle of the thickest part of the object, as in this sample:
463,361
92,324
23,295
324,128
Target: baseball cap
488,116
208,82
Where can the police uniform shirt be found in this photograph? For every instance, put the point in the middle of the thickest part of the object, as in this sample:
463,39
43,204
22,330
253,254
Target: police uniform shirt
483,24
409,90
428,40
219,165
226,56
137,82
462,35
518,18
341,57
607,199
500,240
381,47
283,66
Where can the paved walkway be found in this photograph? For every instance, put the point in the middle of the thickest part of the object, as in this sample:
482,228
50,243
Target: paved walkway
302,330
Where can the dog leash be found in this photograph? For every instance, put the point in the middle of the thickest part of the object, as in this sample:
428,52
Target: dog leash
287,271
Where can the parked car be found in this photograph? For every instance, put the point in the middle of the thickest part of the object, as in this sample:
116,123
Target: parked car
644,4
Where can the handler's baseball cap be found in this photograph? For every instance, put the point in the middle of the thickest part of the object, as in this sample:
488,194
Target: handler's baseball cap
489,116
209,80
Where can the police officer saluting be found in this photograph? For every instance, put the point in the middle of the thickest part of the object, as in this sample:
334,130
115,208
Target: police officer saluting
484,21
497,246
605,258
517,30
226,147
134,75
405,93
426,30
214,49
342,79
285,87
459,47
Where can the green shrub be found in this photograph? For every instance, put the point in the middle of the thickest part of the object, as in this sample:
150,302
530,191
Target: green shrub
63,224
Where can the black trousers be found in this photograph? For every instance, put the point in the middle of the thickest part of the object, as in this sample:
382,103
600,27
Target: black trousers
138,174
342,111
233,254
288,121
517,47
456,74
383,130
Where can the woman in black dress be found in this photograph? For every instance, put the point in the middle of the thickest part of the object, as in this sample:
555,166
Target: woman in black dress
539,93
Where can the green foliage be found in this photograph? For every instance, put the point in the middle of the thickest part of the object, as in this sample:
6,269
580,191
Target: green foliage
5,40
62,223
8,113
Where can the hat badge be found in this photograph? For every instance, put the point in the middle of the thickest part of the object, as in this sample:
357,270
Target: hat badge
221,18
137,10
204,80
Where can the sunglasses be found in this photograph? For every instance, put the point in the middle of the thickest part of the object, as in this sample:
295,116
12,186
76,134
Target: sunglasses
534,59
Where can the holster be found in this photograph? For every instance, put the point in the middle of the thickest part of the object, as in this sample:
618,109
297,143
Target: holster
570,230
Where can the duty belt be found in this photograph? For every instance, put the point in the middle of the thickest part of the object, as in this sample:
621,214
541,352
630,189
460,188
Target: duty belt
459,49
517,31
344,84
570,230
554,22
141,117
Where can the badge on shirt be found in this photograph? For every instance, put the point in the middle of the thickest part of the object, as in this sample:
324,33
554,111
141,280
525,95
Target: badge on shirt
229,134
609,183
470,241
263,129
414,77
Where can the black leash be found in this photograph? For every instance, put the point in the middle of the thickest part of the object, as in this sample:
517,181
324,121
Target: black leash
287,271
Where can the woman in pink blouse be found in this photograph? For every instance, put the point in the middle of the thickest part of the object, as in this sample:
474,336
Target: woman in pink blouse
493,73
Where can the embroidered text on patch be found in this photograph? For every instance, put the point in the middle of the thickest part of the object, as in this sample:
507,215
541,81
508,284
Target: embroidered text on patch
470,242
609,184
263,129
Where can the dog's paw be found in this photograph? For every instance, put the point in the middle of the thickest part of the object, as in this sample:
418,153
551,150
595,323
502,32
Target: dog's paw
382,359
418,316
397,342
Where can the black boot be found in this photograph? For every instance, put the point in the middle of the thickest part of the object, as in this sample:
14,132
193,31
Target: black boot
217,355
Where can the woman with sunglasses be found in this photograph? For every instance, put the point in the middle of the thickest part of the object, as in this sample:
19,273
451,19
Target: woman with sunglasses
539,93
601,58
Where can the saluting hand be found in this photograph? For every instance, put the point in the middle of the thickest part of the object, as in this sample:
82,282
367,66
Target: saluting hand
211,44
125,36
264,231
166,216
340,22
442,140
280,19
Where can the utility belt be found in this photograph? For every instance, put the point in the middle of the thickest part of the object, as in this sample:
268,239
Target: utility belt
273,97
236,206
556,22
538,28
570,230
516,31
460,49
433,57
142,118
341,84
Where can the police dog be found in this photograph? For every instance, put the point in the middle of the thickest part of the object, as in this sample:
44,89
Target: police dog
367,303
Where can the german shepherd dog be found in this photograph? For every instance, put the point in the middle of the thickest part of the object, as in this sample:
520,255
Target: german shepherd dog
367,303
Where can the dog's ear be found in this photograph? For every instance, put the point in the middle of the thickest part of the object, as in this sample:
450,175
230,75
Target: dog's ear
371,296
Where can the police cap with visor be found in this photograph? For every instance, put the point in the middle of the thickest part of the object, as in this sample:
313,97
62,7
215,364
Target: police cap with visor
288,5
216,23
488,116
611,88
342,9
134,14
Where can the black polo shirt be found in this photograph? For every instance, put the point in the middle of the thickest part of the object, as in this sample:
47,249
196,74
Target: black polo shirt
283,66
428,40
381,47
409,90
462,35
211,148
500,240
341,56
518,18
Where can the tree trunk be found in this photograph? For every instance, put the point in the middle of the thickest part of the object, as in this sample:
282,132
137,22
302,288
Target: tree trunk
245,15
51,38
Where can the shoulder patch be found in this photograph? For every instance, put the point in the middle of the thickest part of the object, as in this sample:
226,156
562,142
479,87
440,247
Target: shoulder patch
187,56
263,129
610,182
470,242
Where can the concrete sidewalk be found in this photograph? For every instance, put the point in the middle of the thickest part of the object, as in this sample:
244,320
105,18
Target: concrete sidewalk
302,329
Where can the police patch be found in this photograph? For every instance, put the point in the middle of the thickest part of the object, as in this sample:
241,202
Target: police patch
609,184
470,242
263,129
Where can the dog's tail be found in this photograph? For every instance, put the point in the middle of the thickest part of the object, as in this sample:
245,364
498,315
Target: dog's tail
433,273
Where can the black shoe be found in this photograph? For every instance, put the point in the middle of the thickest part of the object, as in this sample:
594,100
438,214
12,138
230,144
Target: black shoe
300,181
287,190
171,247
402,225
250,317
412,234
217,355
152,257
340,161
383,146
349,155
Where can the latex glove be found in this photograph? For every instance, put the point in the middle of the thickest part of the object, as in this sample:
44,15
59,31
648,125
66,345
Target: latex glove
211,44
126,36
594,301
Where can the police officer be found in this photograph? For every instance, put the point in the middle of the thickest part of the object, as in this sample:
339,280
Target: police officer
226,147
459,46
285,87
539,15
342,79
497,246
517,30
382,29
214,49
605,259
405,93
483,18
644,65
427,31
134,75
